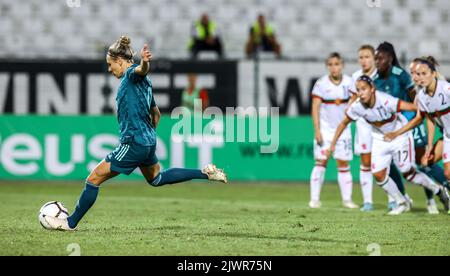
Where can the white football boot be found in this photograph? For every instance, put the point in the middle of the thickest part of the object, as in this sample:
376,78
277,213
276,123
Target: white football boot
315,204
215,174
350,205
58,224
409,201
432,209
400,209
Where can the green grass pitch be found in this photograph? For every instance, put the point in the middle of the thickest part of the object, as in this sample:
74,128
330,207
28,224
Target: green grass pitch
269,219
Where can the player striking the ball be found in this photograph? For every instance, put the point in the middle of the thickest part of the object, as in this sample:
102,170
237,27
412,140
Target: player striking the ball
138,117
382,112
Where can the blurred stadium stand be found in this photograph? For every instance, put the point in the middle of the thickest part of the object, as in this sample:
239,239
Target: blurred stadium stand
305,28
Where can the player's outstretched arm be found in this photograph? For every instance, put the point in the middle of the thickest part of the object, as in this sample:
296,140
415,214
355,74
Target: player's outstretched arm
146,57
342,126
411,125
405,106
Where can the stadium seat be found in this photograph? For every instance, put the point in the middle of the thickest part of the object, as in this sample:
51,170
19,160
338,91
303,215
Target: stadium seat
307,26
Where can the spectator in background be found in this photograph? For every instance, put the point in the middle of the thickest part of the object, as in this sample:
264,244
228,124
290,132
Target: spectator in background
192,92
205,37
262,37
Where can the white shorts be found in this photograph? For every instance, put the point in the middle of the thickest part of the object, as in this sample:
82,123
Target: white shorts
343,150
446,150
401,150
363,139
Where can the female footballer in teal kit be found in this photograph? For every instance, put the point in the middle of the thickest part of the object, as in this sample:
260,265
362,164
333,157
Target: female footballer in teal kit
138,117
393,80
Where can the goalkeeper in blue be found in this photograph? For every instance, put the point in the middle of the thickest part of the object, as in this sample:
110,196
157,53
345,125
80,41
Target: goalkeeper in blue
138,117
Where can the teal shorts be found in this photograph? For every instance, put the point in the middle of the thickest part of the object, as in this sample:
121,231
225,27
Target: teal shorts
420,136
127,157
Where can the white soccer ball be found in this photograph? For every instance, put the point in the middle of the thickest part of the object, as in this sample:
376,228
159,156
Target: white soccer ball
53,209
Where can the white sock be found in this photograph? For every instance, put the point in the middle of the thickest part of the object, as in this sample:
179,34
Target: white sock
345,180
422,179
366,180
392,190
317,178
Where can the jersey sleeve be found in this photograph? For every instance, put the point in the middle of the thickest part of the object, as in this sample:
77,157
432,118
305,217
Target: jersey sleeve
392,103
421,106
317,91
447,89
133,76
352,87
353,112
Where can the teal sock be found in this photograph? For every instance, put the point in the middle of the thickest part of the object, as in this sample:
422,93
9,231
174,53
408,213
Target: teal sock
429,194
397,177
436,172
173,176
87,199
428,171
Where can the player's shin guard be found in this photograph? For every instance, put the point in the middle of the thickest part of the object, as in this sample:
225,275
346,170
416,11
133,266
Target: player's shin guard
366,179
173,176
392,190
87,199
395,175
317,178
345,183
422,179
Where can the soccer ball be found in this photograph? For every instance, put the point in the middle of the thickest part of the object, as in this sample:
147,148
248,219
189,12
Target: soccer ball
52,209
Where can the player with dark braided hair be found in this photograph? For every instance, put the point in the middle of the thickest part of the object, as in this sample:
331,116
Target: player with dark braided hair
395,81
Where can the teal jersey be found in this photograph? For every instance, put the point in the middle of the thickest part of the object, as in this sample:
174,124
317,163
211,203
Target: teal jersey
397,84
134,102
